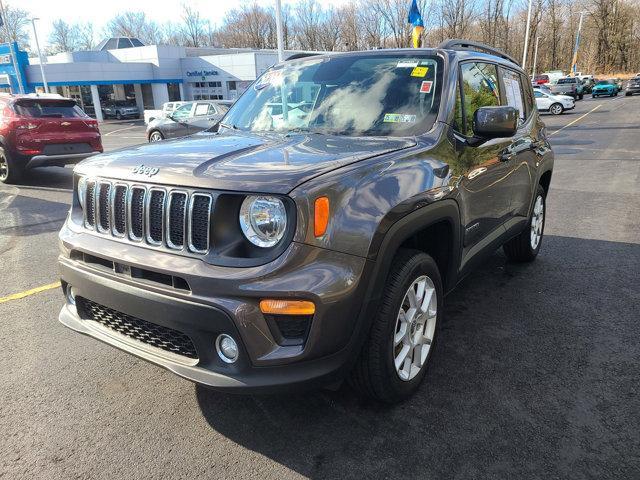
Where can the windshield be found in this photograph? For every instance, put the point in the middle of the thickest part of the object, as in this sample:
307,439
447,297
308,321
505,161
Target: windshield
345,94
567,80
604,82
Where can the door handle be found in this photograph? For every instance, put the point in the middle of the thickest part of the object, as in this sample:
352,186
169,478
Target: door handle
505,157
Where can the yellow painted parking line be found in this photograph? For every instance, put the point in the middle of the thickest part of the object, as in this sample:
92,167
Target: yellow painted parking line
576,120
26,293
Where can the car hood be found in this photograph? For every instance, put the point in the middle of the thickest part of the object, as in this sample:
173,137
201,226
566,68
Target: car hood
239,161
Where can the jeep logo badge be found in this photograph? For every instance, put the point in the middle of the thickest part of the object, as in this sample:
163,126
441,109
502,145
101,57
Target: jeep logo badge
144,170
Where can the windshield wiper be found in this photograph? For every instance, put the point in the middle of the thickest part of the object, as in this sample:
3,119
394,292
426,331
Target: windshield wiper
302,130
230,127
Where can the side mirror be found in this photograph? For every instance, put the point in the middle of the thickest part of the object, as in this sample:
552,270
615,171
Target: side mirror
495,122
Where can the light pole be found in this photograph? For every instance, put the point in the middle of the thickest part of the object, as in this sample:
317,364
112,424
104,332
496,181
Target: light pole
279,31
535,57
526,38
574,60
11,49
35,36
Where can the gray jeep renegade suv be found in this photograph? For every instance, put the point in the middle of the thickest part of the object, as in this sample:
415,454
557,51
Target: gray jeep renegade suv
313,236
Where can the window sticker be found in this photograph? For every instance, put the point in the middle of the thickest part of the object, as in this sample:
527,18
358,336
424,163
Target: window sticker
419,71
270,78
426,87
407,64
399,118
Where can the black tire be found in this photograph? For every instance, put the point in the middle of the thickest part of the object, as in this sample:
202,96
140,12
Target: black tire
118,115
374,374
520,248
10,171
153,133
628,94
556,109
593,95
581,96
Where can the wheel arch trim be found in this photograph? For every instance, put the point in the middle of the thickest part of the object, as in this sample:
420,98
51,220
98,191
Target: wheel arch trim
444,210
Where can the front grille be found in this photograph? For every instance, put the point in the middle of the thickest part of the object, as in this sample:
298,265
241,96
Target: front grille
157,336
120,210
174,219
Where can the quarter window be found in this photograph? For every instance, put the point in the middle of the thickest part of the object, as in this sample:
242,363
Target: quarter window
480,89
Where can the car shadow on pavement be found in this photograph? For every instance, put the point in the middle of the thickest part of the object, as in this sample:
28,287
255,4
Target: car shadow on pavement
533,377
49,177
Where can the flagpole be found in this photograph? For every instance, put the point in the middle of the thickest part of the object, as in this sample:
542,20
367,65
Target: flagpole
11,49
278,31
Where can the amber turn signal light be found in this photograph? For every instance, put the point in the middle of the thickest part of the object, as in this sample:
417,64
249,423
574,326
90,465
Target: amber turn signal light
320,216
287,307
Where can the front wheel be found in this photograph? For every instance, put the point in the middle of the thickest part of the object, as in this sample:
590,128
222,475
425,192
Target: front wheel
556,109
155,136
395,356
581,96
593,95
525,247
118,116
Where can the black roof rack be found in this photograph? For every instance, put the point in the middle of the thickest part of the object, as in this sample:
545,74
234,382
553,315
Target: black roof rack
459,44
295,56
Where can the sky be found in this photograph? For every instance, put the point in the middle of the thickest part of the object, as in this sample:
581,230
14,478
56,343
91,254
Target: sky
99,12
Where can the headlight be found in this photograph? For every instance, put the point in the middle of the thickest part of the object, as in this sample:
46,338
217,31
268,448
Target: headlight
82,191
263,220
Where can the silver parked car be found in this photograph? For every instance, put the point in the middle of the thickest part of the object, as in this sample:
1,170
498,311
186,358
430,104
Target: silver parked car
192,117
120,109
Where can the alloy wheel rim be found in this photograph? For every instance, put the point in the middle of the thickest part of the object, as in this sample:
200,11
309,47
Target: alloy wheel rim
415,328
556,109
4,168
537,222
155,137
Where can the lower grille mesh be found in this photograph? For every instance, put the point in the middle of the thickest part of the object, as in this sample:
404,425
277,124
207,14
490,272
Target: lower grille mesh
149,333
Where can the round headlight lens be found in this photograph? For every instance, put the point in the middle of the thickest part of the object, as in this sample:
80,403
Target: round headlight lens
82,191
263,220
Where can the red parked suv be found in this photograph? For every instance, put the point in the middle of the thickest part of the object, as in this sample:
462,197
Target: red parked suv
43,131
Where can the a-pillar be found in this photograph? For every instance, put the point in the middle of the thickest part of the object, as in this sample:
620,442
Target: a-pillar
137,90
160,94
97,107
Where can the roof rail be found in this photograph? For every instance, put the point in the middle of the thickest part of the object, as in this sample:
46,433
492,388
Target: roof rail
296,56
459,44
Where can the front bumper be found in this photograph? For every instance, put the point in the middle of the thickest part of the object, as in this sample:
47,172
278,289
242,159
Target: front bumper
225,300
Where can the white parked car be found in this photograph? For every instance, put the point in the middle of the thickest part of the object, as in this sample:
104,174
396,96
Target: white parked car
167,109
555,104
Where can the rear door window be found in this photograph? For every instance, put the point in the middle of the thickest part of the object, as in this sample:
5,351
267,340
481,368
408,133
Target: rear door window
202,109
48,109
513,94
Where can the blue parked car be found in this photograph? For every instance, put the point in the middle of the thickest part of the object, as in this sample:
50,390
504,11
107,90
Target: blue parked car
604,87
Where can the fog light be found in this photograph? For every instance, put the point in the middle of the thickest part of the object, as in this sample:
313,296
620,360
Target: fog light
71,295
227,348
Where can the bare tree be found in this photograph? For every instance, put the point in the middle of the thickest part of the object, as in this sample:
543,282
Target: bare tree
193,27
16,22
135,24
63,37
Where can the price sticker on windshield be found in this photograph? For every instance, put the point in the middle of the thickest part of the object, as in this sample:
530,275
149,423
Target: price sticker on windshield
419,71
426,87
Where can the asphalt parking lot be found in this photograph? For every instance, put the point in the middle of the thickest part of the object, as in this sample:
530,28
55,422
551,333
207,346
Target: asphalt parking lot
535,377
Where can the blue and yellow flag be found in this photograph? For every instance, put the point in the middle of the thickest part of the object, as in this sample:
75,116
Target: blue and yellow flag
415,19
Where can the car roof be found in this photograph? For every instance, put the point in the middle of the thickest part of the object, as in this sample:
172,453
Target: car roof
461,55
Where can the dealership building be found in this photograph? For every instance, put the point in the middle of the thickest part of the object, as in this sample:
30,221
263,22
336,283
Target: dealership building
123,69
